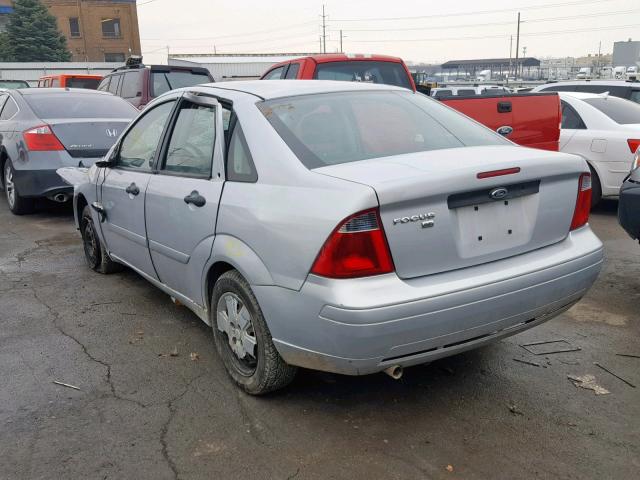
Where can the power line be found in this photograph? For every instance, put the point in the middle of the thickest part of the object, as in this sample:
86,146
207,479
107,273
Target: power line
480,37
478,12
489,24
255,32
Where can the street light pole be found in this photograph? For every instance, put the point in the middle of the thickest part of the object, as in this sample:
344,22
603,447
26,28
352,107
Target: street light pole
517,45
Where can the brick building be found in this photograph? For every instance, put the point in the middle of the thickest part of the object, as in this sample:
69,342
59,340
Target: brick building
96,30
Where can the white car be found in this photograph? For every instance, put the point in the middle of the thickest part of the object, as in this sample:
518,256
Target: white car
605,131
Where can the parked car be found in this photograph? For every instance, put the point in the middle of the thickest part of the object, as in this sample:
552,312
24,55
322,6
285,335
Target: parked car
138,84
345,227
528,121
605,131
629,204
70,81
44,129
13,84
616,88
468,90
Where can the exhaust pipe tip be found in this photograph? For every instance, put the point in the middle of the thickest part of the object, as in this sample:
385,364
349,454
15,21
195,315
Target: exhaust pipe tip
394,372
60,197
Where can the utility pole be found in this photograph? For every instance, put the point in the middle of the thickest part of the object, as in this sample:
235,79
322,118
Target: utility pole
517,45
168,54
324,31
320,48
599,53
510,56
341,51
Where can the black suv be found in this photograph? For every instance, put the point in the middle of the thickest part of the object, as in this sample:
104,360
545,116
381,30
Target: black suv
139,84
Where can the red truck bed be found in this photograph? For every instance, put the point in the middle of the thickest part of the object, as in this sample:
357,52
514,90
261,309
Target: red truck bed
534,118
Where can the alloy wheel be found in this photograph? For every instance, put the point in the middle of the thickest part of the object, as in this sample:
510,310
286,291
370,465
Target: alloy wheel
9,187
234,320
90,244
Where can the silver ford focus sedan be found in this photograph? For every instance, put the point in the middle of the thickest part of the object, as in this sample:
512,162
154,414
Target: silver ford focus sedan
350,228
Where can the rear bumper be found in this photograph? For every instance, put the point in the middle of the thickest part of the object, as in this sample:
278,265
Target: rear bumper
40,183
629,208
363,326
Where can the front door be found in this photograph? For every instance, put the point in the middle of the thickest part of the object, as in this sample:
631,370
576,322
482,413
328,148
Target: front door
125,185
182,198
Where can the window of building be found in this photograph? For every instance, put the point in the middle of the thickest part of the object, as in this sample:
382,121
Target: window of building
111,28
74,26
114,57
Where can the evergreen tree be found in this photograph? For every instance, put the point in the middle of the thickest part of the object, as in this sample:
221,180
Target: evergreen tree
32,35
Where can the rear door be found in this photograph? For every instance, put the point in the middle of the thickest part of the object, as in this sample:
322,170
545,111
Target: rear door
182,199
124,187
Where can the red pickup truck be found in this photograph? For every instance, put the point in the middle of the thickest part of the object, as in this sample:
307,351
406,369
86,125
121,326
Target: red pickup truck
530,120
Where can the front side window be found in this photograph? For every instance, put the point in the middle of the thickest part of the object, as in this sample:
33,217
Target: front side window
140,144
570,118
275,74
332,128
292,73
131,85
190,150
115,82
104,84
111,28
74,27
619,110
389,73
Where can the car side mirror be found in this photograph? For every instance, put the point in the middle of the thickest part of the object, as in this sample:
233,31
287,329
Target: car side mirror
105,163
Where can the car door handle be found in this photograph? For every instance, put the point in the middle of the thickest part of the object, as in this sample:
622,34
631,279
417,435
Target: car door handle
196,199
132,189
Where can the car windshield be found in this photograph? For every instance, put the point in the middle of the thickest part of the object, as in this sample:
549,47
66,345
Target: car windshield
332,128
389,73
13,84
619,110
90,83
79,105
164,82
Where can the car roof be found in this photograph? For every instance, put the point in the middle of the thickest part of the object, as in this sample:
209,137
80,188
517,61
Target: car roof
581,95
269,89
54,91
342,57
613,83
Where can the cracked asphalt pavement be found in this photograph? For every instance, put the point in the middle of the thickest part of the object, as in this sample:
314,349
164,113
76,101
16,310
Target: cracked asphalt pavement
143,412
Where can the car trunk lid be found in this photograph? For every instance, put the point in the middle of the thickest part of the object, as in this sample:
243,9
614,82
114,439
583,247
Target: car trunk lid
439,216
84,138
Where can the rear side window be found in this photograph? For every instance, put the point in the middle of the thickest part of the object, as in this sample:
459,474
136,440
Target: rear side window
90,83
443,93
570,118
131,85
292,73
164,82
635,96
240,167
104,84
389,73
115,82
79,105
55,82
333,128
619,110
9,110
466,92
190,150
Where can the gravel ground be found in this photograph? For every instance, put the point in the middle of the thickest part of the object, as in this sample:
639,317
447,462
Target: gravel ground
141,413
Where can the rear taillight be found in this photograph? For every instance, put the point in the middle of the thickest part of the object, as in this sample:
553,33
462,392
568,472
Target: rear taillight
356,248
41,139
583,202
633,144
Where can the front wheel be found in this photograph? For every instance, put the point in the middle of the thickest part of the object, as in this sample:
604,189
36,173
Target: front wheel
94,252
18,204
243,340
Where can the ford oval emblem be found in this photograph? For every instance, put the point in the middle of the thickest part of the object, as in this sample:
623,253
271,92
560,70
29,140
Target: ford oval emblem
498,193
505,130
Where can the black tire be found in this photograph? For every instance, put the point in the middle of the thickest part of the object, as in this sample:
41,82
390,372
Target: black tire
269,372
18,204
596,188
94,252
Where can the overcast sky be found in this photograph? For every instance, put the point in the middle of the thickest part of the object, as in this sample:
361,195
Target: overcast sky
416,30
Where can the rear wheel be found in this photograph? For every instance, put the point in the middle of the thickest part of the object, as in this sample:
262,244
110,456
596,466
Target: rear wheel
596,188
94,252
243,340
18,204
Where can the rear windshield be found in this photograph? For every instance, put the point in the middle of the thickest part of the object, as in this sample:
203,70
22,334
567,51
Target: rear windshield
164,82
79,105
332,128
12,84
620,111
90,83
389,73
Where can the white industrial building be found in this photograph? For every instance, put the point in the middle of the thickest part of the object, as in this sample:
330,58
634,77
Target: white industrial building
32,71
234,67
